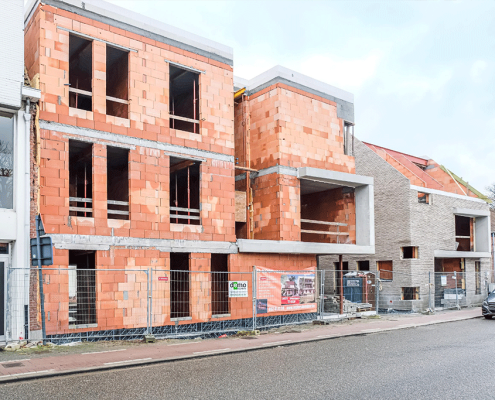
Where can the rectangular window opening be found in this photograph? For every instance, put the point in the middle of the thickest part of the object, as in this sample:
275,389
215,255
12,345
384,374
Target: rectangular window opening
423,198
82,287
80,73
464,233
219,284
117,82
179,285
409,252
363,265
6,161
117,183
477,277
410,293
184,100
184,192
386,269
80,179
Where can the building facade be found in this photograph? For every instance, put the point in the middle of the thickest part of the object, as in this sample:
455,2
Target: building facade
17,103
428,225
148,159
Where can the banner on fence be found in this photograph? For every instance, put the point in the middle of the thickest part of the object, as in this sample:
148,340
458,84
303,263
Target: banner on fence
285,291
238,289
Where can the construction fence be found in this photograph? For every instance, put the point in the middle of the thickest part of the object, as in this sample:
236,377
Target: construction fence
123,304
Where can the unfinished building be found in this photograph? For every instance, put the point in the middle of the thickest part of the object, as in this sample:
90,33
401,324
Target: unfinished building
432,233
151,161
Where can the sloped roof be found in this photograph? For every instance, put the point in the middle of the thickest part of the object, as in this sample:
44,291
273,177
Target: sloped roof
466,184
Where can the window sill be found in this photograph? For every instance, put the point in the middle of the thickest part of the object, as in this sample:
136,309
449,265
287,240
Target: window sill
82,326
220,316
181,319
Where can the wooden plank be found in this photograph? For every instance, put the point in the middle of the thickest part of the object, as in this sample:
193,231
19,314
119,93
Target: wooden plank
117,100
310,221
325,232
193,210
81,199
81,209
80,91
240,206
118,212
118,203
173,216
194,121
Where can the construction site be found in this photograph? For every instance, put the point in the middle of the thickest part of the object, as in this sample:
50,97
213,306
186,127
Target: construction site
183,200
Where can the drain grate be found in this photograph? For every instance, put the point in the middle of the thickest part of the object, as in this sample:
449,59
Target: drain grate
12,365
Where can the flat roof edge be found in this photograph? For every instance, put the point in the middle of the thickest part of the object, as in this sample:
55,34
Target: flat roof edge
116,16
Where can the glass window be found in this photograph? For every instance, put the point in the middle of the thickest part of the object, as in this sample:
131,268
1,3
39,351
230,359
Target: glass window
6,161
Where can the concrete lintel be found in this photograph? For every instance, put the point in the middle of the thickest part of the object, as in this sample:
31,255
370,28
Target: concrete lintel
279,74
31,93
278,169
467,212
292,247
334,177
460,254
94,242
447,194
114,137
122,18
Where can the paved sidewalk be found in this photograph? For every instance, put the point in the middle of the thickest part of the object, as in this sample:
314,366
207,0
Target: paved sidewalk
89,357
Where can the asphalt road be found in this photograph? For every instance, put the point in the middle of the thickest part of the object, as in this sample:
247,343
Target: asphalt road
446,361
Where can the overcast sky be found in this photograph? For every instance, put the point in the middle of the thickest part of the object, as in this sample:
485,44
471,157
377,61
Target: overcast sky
422,72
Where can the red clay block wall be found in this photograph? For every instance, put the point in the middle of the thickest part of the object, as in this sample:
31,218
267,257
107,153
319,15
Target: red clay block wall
148,83
294,128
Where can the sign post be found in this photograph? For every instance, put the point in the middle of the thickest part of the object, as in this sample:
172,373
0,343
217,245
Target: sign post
41,254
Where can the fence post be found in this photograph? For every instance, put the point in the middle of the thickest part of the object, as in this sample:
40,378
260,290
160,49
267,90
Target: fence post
456,295
147,302
253,275
377,287
322,292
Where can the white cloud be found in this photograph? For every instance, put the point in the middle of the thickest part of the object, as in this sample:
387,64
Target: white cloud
348,74
477,70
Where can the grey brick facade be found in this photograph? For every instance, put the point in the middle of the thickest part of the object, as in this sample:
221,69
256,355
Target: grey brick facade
400,220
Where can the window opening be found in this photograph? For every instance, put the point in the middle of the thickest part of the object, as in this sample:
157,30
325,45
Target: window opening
184,192
423,198
348,139
477,277
410,293
80,73
219,284
463,233
82,287
179,285
117,82
6,161
363,265
117,183
4,248
409,252
386,269
80,179
184,100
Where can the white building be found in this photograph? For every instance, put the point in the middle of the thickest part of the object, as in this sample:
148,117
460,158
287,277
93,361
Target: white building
15,122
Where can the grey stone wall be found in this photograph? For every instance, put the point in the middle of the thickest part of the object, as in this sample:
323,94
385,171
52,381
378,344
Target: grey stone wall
400,220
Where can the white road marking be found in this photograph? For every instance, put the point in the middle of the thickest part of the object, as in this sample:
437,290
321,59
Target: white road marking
273,343
210,351
100,352
127,361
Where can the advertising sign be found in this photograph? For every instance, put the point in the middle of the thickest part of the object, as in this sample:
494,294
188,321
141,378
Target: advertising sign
238,288
285,291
